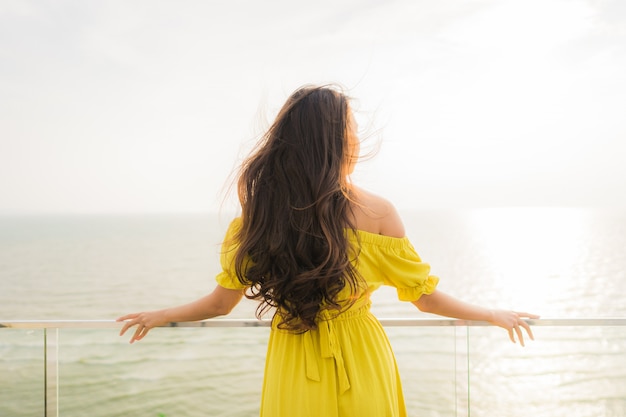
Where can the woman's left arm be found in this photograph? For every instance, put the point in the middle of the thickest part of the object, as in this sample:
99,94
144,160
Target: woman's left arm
445,305
219,303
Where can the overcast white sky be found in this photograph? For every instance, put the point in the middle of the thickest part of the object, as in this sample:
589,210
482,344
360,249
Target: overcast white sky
147,106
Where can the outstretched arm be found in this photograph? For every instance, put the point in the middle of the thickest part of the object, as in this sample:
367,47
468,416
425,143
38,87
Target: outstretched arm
445,305
219,303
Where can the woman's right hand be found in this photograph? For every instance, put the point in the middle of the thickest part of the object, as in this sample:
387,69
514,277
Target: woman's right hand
144,322
513,322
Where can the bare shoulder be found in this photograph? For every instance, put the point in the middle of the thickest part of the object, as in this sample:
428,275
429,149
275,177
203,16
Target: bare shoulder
376,214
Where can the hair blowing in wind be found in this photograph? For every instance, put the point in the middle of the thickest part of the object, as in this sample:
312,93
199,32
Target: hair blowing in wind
293,250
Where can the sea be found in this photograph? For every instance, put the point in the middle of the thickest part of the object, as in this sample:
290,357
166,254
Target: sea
560,263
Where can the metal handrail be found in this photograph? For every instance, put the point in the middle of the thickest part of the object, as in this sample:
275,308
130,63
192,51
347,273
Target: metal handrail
52,328
388,322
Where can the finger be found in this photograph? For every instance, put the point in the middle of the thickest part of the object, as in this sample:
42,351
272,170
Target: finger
127,325
127,317
528,315
528,330
520,336
137,333
143,334
511,335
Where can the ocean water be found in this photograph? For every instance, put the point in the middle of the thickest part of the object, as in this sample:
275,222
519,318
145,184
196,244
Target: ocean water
556,262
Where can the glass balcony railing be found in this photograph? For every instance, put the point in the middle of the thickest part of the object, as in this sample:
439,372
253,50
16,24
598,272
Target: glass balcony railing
576,367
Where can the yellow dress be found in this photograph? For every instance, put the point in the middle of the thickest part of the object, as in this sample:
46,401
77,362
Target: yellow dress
346,366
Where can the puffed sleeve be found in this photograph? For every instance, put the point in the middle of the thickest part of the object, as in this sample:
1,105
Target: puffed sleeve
403,269
228,278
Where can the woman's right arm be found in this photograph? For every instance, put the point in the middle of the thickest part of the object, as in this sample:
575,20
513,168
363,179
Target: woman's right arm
219,303
443,304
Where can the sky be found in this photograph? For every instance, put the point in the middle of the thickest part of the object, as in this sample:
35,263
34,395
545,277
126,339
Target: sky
149,106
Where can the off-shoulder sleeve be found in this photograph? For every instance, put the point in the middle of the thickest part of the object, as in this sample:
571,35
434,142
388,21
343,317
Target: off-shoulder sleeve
228,278
402,268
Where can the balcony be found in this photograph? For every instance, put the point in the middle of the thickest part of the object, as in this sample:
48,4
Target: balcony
576,367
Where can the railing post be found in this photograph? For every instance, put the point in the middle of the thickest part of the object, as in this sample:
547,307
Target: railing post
469,386
461,371
51,372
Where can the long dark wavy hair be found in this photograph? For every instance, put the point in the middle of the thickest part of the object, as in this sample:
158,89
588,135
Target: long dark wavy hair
293,251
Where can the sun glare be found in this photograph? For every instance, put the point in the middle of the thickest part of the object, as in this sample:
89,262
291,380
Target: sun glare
531,252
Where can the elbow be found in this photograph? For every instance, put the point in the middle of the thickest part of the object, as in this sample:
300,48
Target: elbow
423,304
226,305
224,309
222,301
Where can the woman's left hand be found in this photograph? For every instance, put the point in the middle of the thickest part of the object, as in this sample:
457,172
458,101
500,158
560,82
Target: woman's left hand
144,322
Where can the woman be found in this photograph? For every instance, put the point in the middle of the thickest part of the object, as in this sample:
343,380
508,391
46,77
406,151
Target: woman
312,247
